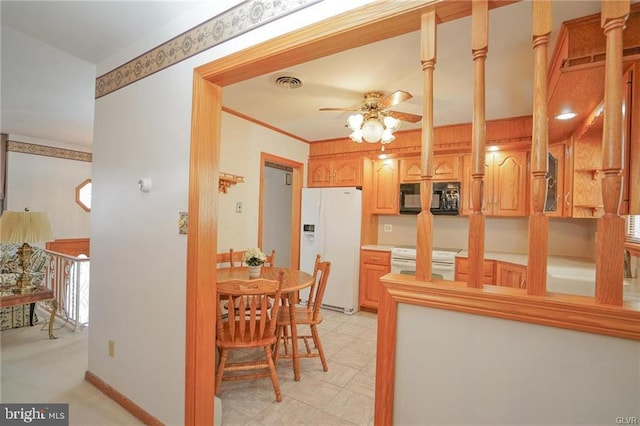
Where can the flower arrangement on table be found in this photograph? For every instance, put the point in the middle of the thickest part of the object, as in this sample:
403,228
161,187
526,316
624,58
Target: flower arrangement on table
254,257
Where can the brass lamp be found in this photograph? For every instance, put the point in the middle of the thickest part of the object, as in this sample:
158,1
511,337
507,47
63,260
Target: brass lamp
25,227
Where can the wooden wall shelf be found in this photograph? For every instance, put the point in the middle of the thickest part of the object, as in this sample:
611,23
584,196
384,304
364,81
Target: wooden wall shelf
226,180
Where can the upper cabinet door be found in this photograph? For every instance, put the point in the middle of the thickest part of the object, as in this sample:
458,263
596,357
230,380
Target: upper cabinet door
328,172
347,172
509,183
555,183
410,170
319,173
385,187
446,168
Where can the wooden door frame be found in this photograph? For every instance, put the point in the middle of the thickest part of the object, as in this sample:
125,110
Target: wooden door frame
296,203
373,22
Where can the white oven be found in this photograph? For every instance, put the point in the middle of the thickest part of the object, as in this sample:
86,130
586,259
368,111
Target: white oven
403,261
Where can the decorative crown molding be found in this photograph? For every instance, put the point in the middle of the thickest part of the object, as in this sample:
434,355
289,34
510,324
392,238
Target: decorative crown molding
49,151
238,20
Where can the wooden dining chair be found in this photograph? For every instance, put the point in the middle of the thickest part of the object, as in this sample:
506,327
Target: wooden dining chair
223,259
310,315
254,329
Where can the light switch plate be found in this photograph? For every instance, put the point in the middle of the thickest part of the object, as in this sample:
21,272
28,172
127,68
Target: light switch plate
387,227
239,207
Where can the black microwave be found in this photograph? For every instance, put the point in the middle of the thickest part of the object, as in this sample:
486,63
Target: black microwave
445,199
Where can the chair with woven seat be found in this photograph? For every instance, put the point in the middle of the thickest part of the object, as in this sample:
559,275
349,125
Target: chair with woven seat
308,314
252,330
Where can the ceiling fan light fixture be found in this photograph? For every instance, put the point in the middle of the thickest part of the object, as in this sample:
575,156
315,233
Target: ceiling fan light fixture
355,121
387,136
356,136
372,130
392,124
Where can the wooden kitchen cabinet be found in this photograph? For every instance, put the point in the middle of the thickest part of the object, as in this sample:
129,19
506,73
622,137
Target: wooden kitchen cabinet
462,270
556,183
336,171
584,161
386,187
373,265
511,275
506,183
446,168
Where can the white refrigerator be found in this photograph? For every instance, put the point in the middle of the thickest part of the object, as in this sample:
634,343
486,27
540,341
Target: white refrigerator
331,219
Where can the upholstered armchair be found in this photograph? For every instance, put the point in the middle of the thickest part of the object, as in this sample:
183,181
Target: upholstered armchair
18,316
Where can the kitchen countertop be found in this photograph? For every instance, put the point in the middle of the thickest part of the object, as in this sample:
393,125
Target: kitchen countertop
378,247
567,274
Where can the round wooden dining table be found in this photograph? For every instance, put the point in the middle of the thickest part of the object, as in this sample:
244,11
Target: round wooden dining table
293,281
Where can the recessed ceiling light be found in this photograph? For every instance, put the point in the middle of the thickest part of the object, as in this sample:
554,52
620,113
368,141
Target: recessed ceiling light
566,116
493,148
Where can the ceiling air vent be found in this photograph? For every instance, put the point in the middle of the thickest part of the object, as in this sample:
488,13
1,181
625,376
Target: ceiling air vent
287,81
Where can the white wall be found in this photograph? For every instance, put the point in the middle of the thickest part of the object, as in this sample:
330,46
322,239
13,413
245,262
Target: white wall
138,259
567,237
48,184
460,369
242,143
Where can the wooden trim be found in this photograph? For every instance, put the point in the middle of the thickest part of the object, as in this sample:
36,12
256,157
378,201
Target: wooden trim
385,358
296,203
202,241
634,143
579,313
121,399
263,124
70,246
634,249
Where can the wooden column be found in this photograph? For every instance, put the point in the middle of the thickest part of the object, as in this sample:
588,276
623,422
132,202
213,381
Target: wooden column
425,218
479,47
611,227
538,222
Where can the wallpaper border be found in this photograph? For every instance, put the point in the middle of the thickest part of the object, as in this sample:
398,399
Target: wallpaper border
49,151
236,21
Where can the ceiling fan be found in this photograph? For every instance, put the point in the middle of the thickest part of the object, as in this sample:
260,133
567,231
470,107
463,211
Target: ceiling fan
374,121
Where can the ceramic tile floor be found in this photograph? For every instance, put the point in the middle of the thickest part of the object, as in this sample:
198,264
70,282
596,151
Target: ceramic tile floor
342,396
36,369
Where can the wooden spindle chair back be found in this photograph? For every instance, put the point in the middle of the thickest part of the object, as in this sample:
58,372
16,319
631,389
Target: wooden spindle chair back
237,258
247,327
306,315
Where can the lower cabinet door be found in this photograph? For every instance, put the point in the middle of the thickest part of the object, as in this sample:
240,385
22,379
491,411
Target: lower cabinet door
370,284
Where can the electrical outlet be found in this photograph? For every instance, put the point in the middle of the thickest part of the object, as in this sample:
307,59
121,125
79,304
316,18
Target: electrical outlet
387,227
239,207
112,349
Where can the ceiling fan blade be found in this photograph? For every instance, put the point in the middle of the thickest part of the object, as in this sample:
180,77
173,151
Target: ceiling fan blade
405,116
338,109
394,99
